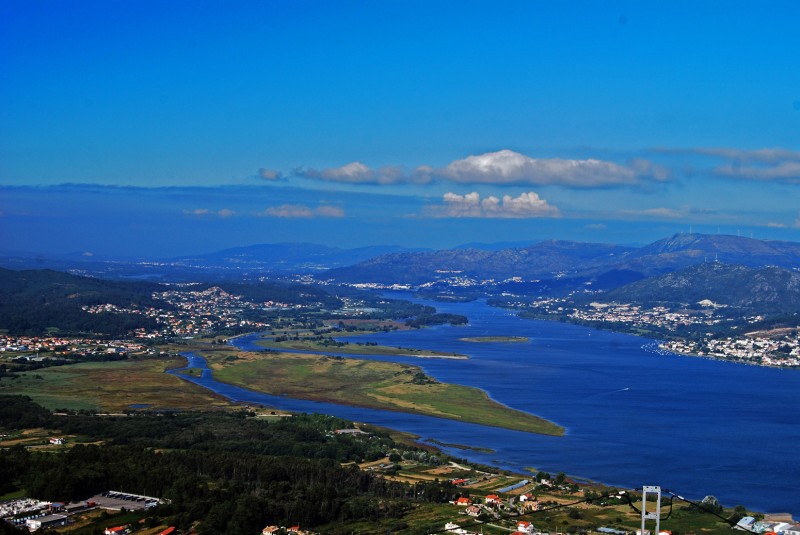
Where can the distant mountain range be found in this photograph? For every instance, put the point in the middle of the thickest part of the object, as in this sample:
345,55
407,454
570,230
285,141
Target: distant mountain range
770,290
542,259
605,266
557,259
288,256
266,259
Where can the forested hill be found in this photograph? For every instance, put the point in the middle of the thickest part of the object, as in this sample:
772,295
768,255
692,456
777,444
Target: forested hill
34,300
762,290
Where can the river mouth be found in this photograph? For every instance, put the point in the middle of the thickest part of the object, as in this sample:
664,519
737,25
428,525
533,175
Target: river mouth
633,417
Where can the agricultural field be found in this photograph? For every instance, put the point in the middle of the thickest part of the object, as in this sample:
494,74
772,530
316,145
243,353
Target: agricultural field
112,386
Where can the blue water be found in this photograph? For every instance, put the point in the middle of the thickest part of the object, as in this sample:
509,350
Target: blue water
633,417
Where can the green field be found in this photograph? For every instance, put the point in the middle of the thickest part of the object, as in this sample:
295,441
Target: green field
380,385
112,386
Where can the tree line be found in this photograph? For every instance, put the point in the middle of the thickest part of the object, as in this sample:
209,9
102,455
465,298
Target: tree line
228,473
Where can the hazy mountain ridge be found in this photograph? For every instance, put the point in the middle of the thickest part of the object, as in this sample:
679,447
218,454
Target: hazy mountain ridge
232,263
765,289
550,259
683,250
288,256
541,259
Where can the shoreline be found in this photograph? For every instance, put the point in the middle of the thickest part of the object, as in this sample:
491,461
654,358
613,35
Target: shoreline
651,339
438,445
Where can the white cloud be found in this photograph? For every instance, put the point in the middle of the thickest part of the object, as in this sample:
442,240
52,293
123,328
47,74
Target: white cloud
329,211
682,212
269,174
773,155
509,167
504,167
768,164
527,205
357,173
301,211
664,213
288,211
201,212
787,171
775,224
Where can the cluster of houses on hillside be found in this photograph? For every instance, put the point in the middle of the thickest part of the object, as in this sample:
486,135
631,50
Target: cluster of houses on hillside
194,312
43,347
292,530
774,351
490,507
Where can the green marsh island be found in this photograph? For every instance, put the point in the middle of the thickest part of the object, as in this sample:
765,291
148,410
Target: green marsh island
365,383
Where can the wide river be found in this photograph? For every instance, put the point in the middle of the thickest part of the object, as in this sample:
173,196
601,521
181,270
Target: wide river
633,417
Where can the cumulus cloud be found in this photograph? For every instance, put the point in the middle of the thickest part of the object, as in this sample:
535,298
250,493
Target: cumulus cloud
301,211
202,212
527,205
504,167
509,167
357,173
269,174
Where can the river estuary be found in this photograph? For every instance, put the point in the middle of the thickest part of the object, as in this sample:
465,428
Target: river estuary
633,417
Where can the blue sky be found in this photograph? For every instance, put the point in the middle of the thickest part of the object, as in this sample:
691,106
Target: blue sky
178,127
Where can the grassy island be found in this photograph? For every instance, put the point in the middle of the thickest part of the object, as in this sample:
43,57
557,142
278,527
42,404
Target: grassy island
354,348
372,384
491,339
